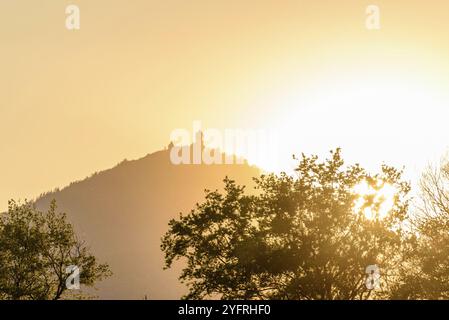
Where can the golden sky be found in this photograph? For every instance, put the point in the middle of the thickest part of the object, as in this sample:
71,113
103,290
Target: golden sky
74,102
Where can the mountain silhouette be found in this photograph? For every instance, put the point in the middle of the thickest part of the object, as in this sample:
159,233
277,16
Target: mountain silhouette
123,212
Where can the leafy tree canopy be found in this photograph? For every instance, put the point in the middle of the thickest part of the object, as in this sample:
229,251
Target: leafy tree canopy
36,248
306,236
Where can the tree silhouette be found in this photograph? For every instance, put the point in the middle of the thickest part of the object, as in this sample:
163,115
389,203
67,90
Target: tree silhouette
425,267
36,248
296,237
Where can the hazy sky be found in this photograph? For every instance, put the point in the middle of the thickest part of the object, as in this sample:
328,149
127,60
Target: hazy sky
74,102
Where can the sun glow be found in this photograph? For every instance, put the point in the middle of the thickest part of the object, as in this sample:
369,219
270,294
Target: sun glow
376,200
364,113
